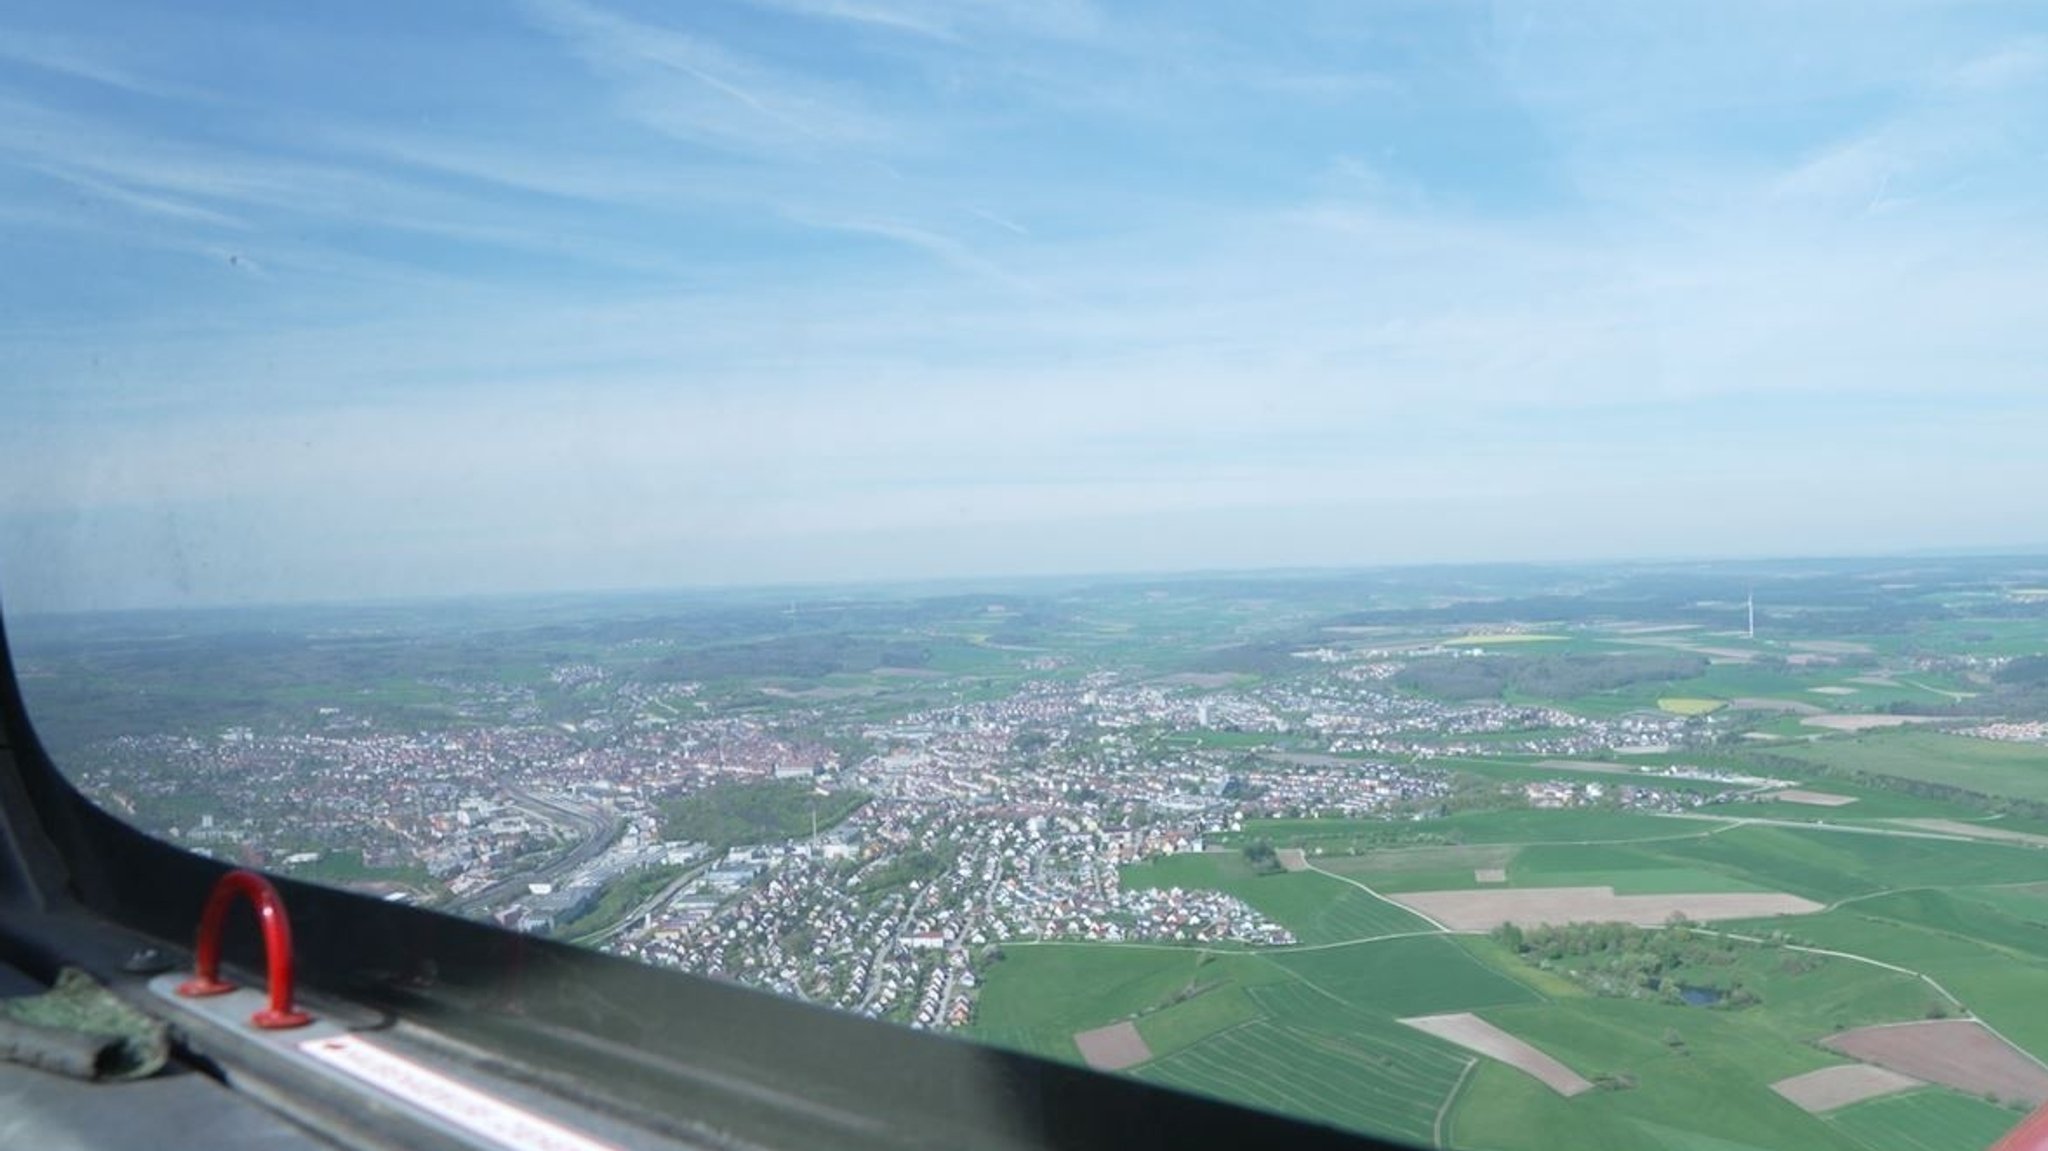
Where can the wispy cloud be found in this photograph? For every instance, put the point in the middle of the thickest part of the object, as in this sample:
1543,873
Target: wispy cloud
914,19
1003,222
945,248
691,88
955,19
1967,121
65,56
2016,64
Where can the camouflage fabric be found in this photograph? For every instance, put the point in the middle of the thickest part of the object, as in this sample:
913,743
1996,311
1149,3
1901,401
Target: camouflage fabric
80,1028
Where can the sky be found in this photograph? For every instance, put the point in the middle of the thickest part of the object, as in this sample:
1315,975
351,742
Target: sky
316,302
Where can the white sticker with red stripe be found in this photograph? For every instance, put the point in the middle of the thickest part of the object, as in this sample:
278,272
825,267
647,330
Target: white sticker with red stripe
445,1099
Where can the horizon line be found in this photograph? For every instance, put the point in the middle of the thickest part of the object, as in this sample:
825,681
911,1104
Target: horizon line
816,588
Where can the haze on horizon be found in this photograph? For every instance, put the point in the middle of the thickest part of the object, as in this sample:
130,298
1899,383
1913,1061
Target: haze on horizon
401,300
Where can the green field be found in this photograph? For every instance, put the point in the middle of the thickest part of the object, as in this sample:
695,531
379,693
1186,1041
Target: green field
1871,803
1570,825
1317,908
1038,996
1313,1029
1219,1008
1313,1033
1322,1076
1830,865
1631,869
1422,976
1994,962
1711,1085
2027,902
1821,865
1990,767
1927,1120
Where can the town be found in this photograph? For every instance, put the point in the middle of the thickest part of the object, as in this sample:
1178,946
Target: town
985,824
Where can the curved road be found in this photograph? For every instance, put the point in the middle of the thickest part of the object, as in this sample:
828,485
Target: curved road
600,828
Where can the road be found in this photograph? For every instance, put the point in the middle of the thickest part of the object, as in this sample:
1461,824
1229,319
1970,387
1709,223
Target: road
598,827
647,906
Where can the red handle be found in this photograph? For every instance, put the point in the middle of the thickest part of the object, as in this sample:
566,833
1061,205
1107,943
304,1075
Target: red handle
277,948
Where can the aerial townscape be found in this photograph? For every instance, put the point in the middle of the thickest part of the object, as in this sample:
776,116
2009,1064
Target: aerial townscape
1487,857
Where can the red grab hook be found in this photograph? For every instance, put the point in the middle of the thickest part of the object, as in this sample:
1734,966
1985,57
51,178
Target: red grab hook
277,948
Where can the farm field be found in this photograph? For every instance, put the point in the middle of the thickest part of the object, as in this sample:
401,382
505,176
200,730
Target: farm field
1834,1087
1475,1034
1531,770
1285,1027
1956,1053
1420,976
1818,863
1828,864
1483,910
1990,767
1931,1119
1318,1075
1906,915
1347,836
1206,1013
1317,908
1870,803
1711,1087
1309,1032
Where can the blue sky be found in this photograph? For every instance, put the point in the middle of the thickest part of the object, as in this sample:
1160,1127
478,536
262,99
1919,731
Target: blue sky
399,299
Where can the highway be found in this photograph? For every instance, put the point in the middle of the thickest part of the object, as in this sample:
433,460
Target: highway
646,906
599,829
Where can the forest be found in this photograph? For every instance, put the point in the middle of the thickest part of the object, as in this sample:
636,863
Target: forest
1554,677
729,814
